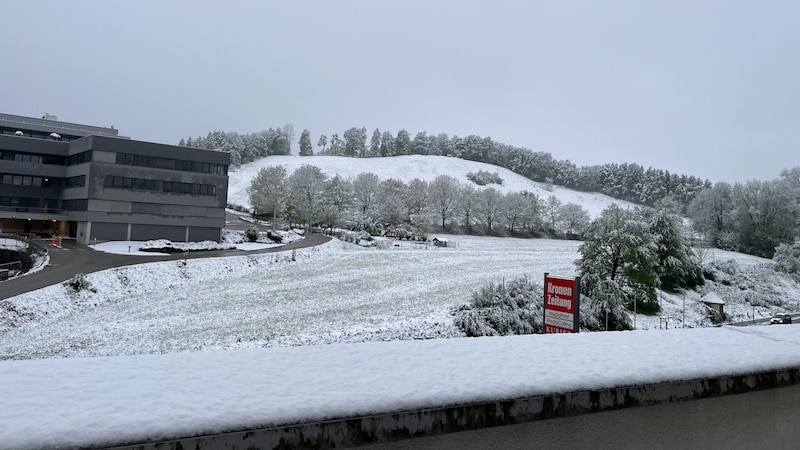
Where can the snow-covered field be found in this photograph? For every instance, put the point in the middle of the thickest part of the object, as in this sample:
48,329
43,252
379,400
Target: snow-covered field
406,168
338,292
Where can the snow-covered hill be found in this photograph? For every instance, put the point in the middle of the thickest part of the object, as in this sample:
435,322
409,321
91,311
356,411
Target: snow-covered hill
406,168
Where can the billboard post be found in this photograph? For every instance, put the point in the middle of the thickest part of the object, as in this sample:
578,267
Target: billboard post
562,298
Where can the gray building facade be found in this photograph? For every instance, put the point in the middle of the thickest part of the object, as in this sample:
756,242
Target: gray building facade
91,184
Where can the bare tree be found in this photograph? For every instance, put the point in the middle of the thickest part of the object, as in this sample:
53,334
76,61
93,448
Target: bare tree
444,196
268,191
490,206
365,197
288,132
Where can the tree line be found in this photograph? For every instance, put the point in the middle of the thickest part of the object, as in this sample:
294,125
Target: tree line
307,197
753,217
630,182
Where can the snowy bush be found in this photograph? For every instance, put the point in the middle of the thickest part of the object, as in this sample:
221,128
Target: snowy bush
502,309
274,237
482,178
511,308
787,259
167,246
251,233
79,283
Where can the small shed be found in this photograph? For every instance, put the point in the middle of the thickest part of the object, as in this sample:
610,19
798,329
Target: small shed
439,242
713,301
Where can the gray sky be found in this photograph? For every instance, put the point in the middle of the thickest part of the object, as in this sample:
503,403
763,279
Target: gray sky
705,88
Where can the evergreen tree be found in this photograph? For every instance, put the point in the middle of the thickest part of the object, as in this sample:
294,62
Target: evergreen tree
401,143
617,264
306,149
676,263
375,144
387,144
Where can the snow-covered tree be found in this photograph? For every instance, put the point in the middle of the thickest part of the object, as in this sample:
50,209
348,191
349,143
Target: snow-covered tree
287,130
617,263
365,199
387,144
268,191
391,201
322,143
355,142
518,210
375,144
573,219
787,258
444,197
401,143
307,184
337,198
711,212
306,149
489,206
467,205
766,215
551,209
676,263
336,147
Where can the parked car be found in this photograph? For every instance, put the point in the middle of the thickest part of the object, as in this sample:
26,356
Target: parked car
780,318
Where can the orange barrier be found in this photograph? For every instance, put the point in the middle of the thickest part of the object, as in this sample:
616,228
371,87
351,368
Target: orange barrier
55,241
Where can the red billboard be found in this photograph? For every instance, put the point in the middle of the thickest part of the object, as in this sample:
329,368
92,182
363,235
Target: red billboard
561,304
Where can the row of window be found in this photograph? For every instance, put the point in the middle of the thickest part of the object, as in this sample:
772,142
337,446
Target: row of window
20,202
171,164
22,180
128,159
159,185
31,158
27,180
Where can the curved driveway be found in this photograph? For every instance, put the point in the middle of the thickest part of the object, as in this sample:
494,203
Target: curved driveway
75,258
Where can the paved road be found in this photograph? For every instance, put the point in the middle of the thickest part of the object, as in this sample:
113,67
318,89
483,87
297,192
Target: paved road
74,258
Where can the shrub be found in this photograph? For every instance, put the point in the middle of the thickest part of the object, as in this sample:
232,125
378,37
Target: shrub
251,233
482,178
79,283
502,309
274,237
787,259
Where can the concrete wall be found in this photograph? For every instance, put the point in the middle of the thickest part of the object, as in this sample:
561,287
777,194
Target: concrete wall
704,413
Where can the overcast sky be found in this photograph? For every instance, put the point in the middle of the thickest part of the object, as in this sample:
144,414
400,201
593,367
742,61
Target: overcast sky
705,88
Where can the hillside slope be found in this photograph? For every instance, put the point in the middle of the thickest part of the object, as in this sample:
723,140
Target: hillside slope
406,168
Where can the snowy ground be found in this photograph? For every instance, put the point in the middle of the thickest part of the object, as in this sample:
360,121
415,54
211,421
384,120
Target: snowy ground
406,168
77,402
336,293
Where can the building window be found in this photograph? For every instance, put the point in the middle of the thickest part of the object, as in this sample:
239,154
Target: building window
75,205
79,181
129,159
79,158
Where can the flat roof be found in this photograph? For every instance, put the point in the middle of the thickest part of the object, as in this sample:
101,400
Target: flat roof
57,126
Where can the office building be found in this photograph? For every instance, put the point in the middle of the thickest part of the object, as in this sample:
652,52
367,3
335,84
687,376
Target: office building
89,183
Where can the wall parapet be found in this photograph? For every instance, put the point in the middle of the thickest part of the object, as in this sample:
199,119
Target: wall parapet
394,426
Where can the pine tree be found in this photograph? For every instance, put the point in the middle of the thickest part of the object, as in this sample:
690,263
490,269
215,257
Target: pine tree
306,149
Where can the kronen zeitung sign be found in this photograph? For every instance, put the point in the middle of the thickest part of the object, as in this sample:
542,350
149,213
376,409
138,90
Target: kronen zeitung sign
561,304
